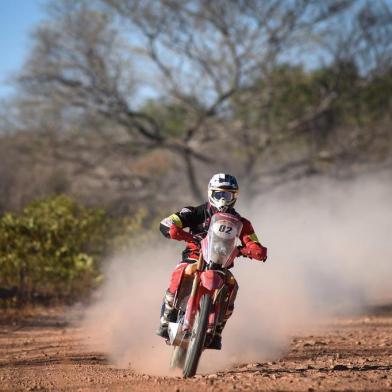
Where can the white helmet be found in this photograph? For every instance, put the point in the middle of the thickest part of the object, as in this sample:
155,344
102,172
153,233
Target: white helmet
222,191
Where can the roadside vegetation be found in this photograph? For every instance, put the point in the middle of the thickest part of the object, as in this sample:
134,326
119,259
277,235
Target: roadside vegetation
52,251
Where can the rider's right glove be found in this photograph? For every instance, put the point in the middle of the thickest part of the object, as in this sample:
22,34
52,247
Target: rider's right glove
176,233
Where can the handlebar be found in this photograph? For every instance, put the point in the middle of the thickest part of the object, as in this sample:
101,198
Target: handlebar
197,238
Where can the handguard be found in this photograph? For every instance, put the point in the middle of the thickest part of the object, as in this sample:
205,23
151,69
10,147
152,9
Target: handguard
254,250
176,233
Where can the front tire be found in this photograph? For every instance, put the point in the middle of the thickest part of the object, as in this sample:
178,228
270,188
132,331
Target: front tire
198,337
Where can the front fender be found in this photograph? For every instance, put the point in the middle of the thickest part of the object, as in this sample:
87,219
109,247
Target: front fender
211,280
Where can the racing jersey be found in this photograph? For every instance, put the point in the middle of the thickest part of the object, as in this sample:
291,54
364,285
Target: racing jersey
197,219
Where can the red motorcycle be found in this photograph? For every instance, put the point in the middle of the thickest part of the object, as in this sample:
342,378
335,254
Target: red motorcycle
203,297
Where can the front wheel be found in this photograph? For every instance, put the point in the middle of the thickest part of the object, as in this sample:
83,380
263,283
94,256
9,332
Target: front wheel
198,337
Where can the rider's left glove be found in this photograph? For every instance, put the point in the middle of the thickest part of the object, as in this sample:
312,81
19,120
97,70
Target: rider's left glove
254,250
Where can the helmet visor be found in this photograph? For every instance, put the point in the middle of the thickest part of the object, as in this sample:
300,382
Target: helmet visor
225,195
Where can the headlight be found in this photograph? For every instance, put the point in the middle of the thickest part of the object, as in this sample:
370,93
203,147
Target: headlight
220,249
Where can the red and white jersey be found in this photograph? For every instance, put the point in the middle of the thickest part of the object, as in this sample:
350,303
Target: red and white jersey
197,219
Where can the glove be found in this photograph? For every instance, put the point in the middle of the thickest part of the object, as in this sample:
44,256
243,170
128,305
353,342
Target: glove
176,233
254,250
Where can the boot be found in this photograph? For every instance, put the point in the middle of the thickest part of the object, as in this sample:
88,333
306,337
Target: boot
163,331
167,315
215,342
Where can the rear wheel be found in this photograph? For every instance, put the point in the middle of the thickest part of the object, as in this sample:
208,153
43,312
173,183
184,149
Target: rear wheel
198,337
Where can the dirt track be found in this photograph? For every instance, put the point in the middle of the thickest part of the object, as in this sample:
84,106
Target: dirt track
45,353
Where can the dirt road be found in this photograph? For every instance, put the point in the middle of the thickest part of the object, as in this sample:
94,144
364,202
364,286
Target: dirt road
43,352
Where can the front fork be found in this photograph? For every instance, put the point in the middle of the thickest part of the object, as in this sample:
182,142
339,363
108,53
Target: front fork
209,283
191,307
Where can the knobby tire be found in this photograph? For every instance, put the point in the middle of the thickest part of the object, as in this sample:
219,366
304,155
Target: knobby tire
196,343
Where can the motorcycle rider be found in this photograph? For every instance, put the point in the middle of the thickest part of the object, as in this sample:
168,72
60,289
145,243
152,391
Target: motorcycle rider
222,195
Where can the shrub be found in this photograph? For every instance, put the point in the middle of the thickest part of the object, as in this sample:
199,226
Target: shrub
52,250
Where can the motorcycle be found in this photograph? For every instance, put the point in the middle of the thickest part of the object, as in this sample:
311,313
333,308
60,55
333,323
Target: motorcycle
203,297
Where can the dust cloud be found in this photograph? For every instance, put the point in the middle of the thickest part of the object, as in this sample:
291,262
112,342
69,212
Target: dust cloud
123,320
330,252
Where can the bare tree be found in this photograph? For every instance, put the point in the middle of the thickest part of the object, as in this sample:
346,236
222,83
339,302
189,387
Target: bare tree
100,58
96,66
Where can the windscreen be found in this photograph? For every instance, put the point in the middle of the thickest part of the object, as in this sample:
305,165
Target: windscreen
222,238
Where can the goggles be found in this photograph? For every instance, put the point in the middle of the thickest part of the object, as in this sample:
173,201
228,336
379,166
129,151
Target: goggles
226,195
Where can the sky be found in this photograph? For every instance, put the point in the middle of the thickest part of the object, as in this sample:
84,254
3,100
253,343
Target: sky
17,20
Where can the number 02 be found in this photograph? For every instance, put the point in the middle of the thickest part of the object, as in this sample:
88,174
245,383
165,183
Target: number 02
225,229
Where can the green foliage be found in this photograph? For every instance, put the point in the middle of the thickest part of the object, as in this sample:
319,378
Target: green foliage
52,249
292,95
